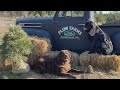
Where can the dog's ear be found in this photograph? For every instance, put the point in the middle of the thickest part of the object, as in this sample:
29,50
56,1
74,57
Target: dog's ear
69,54
59,54
66,52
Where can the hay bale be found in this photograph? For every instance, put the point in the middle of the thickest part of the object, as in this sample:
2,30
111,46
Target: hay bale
51,54
100,62
40,48
74,60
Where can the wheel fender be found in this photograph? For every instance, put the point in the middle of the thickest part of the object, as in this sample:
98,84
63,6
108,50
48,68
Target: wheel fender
37,32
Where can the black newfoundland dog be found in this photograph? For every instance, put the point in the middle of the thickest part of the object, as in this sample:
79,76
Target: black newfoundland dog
100,41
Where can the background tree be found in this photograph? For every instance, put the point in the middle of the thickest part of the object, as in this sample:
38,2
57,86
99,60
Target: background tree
100,17
112,17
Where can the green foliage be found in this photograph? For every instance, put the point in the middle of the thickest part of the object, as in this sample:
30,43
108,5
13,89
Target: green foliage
100,18
31,14
113,17
16,45
37,14
50,13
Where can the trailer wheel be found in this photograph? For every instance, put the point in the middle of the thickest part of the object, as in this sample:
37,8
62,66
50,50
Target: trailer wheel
116,43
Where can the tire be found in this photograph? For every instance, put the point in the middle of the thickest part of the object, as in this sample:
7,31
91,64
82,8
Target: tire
116,43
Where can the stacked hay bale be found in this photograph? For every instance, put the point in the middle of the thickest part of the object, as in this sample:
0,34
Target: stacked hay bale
40,47
100,62
51,55
74,60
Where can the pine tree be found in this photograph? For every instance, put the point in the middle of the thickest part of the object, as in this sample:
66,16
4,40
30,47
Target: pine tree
16,45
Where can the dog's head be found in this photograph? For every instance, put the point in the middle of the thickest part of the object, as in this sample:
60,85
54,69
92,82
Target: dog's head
89,25
64,56
91,28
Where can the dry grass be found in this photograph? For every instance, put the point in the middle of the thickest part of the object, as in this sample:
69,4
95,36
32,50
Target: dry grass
33,75
100,62
4,24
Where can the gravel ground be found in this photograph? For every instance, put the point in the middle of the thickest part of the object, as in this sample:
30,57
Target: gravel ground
6,22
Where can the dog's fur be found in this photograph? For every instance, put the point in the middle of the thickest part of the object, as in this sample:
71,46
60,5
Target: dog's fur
101,42
60,65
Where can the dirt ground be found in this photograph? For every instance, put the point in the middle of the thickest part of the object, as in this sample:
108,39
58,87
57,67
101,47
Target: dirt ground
4,23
